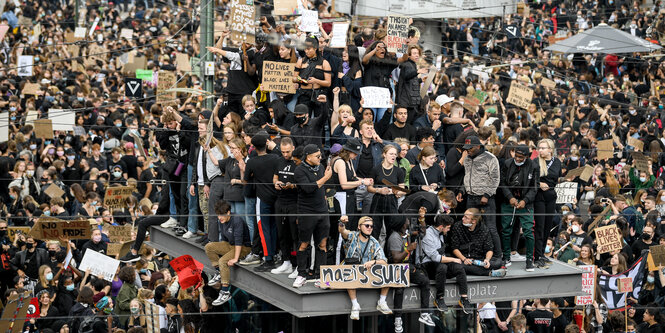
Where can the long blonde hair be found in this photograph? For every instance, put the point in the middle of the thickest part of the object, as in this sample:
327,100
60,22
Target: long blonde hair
214,142
541,161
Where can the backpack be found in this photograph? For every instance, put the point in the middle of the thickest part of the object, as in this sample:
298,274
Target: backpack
86,325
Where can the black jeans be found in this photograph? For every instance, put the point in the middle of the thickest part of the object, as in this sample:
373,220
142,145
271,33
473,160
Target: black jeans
441,272
143,224
385,204
419,278
489,216
543,207
287,229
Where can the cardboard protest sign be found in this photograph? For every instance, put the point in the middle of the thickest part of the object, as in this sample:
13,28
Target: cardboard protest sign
339,31
31,117
309,21
63,120
608,239
586,173
376,97
119,233
547,83
658,254
398,30
182,62
31,89
188,270
53,190
99,264
625,285
635,143
566,192
277,77
43,129
13,315
243,25
116,196
357,276
640,162
588,285
13,231
428,82
165,81
151,317
286,7
605,149
600,216
24,65
519,95
52,229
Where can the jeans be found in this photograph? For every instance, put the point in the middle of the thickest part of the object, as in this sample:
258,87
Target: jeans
363,199
238,208
419,278
192,204
250,215
216,193
294,101
378,113
522,216
267,229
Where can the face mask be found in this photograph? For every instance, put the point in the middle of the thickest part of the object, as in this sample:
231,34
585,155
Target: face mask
574,158
651,279
12,196
118,125
51,151
60,153
96,239
633,112
51,253
33,147
581,101
12,108
49,276
301,120
36,58
134,310
519,164
50,99
604,122
643,179
71,157
662,198
548,249
143,271
117,174
562,241
29,245
12,118
47,213
646,236
467,225
107,311
70,287
94,203
576,228
80,99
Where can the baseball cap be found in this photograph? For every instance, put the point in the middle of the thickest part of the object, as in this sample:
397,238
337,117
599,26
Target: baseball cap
443,99
471,142
522,150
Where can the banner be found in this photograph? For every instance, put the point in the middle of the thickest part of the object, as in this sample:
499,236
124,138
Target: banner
566,192
277,77
608,285
99,264
116,196
588,285
50,228
243,24
519,95
357,276
608,239
33,309
398,30
188,270
376,97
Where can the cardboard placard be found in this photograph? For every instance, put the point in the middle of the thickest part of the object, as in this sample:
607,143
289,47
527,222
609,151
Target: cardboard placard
658,254
188,270
428,82
547,83
605,149
113,249
126,33
309,21
119,233
52,229
165,81
640,162
277,77
152,317
99,264
566,192
116,196
376,97
182,62
588,285
357,276
44,129
398,31
243,24
608,239
31,89
13,231
586,173
63,120
635,143
286,7
53,191
13,315
600,216
339,31
625,285
519,95
134,64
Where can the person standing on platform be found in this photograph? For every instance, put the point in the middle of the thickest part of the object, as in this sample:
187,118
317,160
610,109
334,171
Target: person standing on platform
286,206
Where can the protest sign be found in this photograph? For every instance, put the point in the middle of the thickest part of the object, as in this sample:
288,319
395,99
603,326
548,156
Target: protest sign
520,95
286,7
113,249
62,120
165,81
134,64
133,87
182,62
50,228
600,216
547,83
99,264
116,196
4,126
625,285
428,82
54,191
398,30
635,143
24,65
376,97
188,270
33,309
588,285
586,173
119,233
13,231
43,129
68,258
3,31
605,149
339,31
144,74
242,21
151,317
126,33
309,21
608,239
566,192
79,32
31,117
357,276
640,162
13,315
31,89
277,77
658,254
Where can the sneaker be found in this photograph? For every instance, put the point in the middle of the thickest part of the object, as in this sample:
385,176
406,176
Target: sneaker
266,266
293,274
507,263
355,312
130,257
179,231
516,257
383,308
498,273
188,235
299,282
224,296
285,268
440,304
540,263
202,239
529,265
250,259
170,223
426,319
398,325
465,305
547,260
215,280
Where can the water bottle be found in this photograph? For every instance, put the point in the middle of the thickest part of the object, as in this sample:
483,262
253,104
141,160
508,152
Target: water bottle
479,263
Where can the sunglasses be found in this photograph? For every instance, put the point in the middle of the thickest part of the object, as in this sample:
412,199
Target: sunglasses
368,226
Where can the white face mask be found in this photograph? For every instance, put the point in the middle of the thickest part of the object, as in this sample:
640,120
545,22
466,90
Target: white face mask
576,228
662,198
467,225
519,164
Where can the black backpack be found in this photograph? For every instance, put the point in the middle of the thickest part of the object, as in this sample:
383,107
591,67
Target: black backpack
86,325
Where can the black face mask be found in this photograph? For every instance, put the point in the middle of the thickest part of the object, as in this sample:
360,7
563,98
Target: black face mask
29,245
52,253
20,243
3,233
300,120
646,236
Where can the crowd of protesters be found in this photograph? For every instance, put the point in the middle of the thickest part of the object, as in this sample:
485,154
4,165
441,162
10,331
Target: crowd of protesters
454,181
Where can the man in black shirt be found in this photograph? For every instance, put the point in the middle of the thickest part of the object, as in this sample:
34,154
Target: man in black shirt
399,128
286,207
312,210
369,157
540,320
309,130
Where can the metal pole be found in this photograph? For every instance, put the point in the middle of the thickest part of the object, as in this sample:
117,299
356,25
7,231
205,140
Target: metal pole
76,13
207,36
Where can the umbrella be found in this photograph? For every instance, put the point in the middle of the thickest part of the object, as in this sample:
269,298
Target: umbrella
603,39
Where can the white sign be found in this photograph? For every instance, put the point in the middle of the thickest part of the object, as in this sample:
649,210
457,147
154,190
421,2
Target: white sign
309,21
68,259
94,26
62,120
339,31
376,97
25,65
99,264
126,33
4,126
566,192
588,285
428,9
79,32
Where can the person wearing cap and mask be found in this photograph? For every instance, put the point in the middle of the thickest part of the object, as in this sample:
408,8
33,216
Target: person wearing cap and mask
520,177
28,261
312,207
308,130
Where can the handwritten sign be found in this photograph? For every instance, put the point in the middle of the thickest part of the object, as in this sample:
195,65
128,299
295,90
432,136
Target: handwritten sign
588,285
14,313
99,264
165,81
309,21
398,30
277,77
126,33
586,173
566,192
286,7
605,149
357,276
428,82
547,83
635,143
31,88
182,62
54,191
608,239
242,22
53,228
119,233
625,285
520,95
116,196
640,162
376,97
188,270
13,231
144,74
339,31
658,254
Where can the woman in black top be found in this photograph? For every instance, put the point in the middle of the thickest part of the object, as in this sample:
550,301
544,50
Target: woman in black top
314,73
46,311
544,205
378,65
427,175
384,203
351,75
230,167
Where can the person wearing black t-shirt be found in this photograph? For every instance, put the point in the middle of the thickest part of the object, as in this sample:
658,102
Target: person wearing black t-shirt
559,320
399,128
540,320
286,207
384,203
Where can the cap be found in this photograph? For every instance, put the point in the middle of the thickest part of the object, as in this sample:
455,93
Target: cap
352,145
71,151
522,150
301,109
310,149
206,114
470,142
443,99
297,153
336,148
97,298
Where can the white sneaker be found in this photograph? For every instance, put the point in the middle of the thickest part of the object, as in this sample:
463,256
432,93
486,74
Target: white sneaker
224,296
250,259
383,307
285,268
299,282
426,319
170,223
355,312
215,280
188,235
517,257
398,325
293,274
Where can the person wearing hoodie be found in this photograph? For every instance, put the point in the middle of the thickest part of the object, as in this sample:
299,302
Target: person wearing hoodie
81,309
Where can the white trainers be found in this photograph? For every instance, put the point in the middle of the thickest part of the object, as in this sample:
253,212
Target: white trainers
285,268
250,259
224,296
398,325
215,280
426,319
299,282
170,223
294,274
515,257
355,312
383,307
188,235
